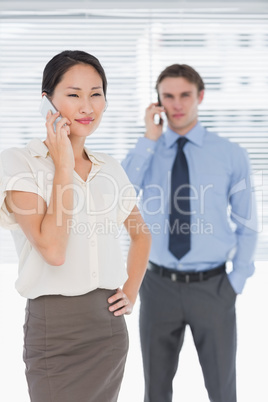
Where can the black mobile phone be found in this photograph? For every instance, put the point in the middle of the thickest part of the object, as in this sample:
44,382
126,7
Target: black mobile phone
157,118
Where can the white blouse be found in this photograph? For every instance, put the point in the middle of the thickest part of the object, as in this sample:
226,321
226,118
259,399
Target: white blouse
101,204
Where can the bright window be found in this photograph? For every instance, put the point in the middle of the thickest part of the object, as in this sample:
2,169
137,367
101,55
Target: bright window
230,51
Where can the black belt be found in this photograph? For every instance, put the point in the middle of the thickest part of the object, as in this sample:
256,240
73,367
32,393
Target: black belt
184,276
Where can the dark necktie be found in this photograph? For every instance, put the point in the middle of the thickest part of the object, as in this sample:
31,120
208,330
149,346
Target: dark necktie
179,219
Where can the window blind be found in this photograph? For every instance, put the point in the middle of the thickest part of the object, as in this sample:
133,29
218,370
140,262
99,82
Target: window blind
229,50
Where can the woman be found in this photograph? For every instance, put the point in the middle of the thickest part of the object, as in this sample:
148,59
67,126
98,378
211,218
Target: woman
64,205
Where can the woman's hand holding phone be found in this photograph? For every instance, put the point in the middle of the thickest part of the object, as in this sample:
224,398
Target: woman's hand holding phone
153,128
58,130
58,141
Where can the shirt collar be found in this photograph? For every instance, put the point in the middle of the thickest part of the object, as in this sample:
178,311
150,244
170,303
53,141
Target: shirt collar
195,135
95,158
38,148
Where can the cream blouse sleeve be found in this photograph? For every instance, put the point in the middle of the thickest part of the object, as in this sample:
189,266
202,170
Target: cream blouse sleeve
17,174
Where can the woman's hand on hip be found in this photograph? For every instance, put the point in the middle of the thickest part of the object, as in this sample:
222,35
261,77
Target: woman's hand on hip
120,303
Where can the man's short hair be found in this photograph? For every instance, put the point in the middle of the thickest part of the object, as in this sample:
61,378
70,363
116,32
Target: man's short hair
181,70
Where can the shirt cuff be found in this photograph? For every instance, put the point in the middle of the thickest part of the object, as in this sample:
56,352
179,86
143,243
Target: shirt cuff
238,280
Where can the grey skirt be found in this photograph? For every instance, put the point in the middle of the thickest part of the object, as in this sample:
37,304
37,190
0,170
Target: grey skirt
74,348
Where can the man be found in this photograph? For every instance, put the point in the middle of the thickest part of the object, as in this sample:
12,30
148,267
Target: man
198,203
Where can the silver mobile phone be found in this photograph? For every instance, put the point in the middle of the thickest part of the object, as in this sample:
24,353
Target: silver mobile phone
47,105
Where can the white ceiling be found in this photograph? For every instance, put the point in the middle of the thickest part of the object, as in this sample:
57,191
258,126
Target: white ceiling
53,5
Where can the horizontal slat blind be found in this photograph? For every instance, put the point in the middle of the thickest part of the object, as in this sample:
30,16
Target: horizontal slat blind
229,50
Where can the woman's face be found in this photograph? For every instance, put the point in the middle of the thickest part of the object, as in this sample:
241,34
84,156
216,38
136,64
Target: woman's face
79,97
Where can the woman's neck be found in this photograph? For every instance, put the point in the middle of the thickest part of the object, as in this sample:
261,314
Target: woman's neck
78,145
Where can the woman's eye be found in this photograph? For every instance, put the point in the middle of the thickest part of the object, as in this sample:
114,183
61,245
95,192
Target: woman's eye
96,94
73,95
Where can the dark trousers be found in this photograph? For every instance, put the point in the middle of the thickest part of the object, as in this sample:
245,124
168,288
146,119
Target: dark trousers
208,307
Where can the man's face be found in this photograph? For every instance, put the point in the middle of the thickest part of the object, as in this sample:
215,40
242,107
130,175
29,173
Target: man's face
180,99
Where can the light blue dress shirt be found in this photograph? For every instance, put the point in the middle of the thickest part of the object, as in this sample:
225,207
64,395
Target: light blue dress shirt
223,212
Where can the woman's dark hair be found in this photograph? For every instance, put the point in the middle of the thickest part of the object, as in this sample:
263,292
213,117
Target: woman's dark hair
181,70
62,62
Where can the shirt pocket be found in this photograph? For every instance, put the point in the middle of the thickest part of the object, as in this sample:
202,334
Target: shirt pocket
213,194
216,184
